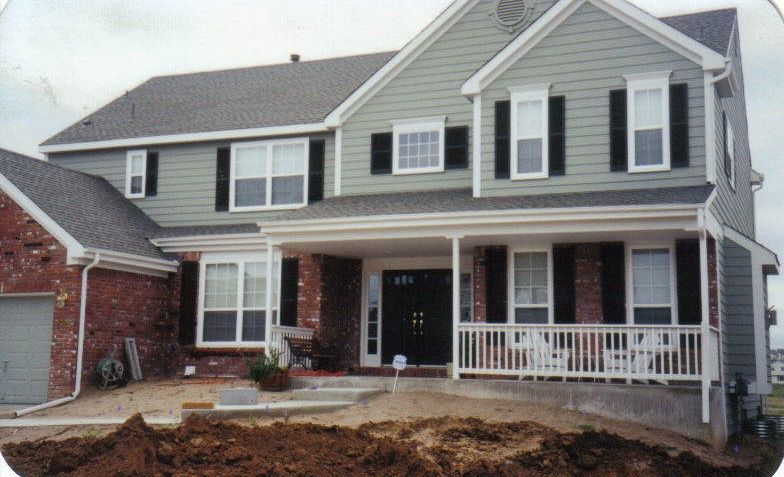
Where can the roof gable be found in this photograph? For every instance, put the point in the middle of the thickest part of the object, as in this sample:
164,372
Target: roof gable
621,9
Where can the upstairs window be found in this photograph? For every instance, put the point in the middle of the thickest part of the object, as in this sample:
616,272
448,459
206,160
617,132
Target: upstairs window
268,175
530,145
418,146
135,174
648,111
652,285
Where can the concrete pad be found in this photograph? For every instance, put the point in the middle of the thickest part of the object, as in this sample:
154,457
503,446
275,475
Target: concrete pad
239,397
273,409
336,394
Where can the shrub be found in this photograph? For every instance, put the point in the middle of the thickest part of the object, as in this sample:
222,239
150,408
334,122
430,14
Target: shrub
264,366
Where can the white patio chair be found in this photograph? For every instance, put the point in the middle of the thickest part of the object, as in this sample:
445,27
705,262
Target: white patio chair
638,358
541,357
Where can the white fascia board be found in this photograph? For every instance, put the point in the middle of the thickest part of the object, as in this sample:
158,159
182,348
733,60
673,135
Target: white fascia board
74,248
126,262
492,217
621,9
400,61
206,243
190,137
766,256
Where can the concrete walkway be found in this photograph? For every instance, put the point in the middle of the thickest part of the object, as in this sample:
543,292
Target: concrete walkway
273,409
82,421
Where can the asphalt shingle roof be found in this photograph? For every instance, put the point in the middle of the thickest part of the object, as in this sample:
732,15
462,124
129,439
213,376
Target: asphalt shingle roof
87,207
278,95
245,98
462,200
713,29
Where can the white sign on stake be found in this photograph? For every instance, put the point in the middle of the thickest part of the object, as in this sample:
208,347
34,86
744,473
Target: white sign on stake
399,363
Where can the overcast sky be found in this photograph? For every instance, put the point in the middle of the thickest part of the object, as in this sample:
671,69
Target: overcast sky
60,60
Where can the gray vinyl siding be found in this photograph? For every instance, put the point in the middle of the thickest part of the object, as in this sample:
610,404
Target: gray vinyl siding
583,59
737,321
734,207
429,86
186,181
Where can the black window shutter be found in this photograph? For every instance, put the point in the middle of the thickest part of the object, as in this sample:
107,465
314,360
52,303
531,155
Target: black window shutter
613,260
289,281
316,172
557,135
151,182
503,113
679,125
687,268
223,170
381,153
563,284
495,282
727,161
456,148
619,160
186,333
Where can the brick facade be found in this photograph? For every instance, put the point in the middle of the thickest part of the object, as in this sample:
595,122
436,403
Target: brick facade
588,306
480,285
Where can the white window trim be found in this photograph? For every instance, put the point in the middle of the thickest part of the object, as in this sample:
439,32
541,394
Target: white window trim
535,92
405,126
630,305
128,177
731,151
269,144
238,259
646,81
511,283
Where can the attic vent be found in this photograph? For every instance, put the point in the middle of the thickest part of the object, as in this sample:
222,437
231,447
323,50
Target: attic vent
511,15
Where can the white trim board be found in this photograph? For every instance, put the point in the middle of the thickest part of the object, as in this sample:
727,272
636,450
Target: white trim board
635,17
293,129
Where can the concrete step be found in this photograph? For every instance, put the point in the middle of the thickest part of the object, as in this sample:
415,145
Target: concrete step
336,394
273,409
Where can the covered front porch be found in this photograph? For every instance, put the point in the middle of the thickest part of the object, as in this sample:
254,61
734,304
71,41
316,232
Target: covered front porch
610,296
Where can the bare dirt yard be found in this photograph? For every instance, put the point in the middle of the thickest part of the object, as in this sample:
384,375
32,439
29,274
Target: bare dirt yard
403,434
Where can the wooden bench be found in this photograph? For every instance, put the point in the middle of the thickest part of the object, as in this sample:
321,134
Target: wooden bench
306,350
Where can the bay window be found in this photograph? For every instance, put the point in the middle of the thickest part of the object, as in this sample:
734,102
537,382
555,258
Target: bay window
652,282
648,113
530,148
418,145
269,175
531,286
233,300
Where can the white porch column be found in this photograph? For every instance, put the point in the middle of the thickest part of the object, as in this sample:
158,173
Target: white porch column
706,351
268,291
455,306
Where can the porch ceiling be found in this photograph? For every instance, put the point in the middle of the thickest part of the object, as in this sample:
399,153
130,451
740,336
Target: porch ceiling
442,246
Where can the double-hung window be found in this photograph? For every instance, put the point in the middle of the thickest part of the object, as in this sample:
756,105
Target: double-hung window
531,286
652,283
648,112
530,145
135,174
233,300
269,175
418,145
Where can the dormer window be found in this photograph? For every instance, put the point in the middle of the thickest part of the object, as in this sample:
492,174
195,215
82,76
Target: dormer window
649,121
135,174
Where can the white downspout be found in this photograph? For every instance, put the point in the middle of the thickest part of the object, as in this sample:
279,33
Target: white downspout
79,349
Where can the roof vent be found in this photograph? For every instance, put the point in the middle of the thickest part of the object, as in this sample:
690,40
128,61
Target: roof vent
511,15
295,58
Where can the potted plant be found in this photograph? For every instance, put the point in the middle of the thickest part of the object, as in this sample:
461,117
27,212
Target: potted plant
267,373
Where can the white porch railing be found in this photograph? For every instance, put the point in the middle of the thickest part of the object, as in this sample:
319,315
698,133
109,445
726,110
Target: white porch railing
279,333
658,353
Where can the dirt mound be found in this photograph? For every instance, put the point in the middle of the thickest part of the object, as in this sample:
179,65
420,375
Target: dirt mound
442,446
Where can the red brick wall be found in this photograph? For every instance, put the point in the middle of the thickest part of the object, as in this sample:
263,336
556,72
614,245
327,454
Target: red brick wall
309,290
339,328
480,286
120,305
588,284
713,283
34,262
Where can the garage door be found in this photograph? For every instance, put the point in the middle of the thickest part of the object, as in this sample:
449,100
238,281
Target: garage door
25,347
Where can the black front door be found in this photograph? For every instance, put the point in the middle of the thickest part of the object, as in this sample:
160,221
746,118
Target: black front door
417,316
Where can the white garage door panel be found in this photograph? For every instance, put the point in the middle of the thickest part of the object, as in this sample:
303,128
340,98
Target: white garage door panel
25,348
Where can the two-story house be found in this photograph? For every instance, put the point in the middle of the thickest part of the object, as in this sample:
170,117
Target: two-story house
550,191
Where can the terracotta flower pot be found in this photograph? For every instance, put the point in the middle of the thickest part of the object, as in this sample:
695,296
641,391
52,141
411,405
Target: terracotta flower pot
277,383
